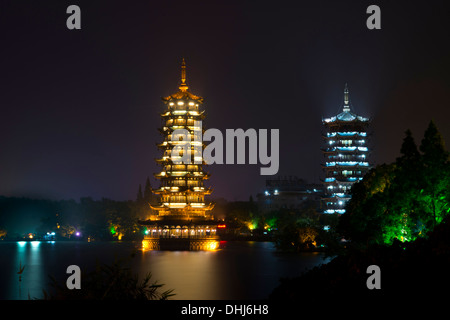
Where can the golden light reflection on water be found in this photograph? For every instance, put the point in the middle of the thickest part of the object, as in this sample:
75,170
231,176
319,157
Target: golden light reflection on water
202,245
192,274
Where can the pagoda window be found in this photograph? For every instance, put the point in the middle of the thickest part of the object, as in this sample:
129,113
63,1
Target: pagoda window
192,168
179,182
193,183
346,142
177,199
180,122
195,199
181,167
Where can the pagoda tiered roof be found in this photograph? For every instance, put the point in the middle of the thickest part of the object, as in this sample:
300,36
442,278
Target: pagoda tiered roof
346,116
345,150
184,206
178,113
196,174
183,92
341,180
182,189
346,164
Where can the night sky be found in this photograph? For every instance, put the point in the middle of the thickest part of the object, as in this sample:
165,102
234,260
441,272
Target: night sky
80,108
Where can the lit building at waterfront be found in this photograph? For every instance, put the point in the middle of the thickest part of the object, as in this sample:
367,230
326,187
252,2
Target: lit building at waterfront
346,155
182,219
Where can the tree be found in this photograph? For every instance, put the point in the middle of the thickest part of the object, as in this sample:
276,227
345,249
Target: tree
436,173
365,214
404,203
148,196
139,197
402,200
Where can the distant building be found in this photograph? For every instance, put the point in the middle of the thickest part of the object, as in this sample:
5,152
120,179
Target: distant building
288,192
346,155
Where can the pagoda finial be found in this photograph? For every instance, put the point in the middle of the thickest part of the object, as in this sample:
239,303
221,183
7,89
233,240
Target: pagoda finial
346,99
183,87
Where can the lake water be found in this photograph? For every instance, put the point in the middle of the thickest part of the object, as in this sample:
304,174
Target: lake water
240,270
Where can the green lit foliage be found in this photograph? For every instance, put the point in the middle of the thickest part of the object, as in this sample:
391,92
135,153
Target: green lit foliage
366,212
436,175
402,200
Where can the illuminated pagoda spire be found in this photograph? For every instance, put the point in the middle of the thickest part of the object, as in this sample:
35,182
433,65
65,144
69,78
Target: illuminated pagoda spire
346,99
183,86
346,155
182,211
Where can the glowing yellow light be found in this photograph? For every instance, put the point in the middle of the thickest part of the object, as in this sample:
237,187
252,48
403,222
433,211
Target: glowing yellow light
177,205
251,225
197,205
212,245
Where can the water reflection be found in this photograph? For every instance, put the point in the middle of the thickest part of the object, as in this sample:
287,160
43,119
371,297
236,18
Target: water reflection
30,282
191,273
240,270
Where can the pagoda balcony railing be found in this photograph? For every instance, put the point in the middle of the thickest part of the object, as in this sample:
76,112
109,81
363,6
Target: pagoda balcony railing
347,163
346,134
343,179
355,143
335,148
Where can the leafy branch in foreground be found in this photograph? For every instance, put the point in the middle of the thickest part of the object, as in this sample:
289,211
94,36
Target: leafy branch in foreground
111,282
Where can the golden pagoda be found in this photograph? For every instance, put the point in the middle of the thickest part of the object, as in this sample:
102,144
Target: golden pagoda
182,219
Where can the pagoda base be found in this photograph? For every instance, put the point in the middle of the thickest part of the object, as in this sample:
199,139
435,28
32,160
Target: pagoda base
181,244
